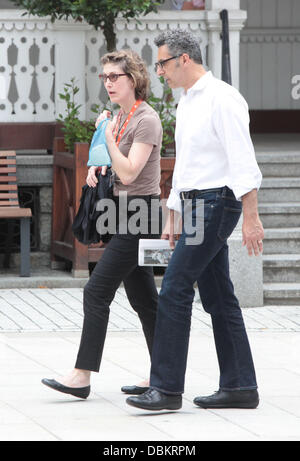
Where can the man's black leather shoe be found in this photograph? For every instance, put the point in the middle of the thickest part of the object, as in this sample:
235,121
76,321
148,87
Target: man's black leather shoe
80,392
155,400
134,390
229,399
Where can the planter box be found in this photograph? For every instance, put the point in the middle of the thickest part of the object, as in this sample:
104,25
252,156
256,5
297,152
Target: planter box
69,175
167,167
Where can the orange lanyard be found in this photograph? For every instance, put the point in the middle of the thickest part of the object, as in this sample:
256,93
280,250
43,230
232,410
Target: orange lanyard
118,136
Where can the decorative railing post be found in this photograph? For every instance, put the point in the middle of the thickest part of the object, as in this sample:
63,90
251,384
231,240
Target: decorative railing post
70,59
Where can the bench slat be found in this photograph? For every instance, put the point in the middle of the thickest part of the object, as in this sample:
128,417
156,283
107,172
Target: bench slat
7,153
8,187
17,212
8,195
8,170
8,178
8,161
8,202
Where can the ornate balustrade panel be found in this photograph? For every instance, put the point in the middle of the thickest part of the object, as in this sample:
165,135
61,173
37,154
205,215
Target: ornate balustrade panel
27,65
38,57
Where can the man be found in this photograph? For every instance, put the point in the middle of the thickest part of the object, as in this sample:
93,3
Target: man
215,162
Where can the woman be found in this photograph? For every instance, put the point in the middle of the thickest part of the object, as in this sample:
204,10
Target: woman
134,142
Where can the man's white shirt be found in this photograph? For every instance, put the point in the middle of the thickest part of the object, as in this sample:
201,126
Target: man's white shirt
213,143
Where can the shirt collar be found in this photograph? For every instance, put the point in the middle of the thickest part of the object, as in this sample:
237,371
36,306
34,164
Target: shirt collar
200,83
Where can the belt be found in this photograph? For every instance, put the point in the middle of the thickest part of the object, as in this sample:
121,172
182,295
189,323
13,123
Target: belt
193,193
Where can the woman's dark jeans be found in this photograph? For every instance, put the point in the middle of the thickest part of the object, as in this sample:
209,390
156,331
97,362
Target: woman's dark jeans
206,263
119,263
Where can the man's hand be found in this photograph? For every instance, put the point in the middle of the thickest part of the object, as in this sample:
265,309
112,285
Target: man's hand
172,229
253,232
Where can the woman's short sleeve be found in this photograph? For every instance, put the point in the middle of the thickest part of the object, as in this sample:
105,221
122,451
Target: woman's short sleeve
148,130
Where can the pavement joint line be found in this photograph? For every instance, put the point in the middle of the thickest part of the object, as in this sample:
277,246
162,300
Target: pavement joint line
33,420
52,310
23,315
58,312
41,313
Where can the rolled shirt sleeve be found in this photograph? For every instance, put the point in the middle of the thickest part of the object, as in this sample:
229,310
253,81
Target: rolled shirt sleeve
231,121
174,202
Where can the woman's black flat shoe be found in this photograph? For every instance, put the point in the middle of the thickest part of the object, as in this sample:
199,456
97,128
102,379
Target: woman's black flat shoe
134,390
80,392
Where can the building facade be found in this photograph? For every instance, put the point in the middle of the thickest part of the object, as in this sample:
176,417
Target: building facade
37,58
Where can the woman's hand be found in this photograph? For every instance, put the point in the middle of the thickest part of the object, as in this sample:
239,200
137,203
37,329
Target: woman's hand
105,114
91,179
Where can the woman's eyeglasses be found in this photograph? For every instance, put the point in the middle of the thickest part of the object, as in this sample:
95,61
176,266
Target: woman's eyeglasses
160,64
112,77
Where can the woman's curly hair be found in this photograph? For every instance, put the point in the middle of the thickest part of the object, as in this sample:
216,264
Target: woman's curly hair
133,65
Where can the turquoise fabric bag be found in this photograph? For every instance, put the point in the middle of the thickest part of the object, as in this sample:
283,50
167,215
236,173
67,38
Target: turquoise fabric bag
98,153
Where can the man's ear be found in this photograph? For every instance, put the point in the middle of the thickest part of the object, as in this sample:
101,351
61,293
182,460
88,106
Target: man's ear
186,59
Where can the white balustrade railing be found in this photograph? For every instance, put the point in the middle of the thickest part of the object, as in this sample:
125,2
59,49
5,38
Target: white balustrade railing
37,57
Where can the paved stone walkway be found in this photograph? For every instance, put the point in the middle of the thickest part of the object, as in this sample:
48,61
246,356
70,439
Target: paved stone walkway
39,337
60,309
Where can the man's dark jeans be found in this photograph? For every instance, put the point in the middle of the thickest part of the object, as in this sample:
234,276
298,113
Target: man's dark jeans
206,263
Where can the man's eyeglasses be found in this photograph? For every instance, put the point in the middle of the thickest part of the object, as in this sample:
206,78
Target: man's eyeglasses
112,77
160,64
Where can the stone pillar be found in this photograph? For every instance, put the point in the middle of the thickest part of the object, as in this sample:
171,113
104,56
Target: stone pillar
236,18
35,170
246,271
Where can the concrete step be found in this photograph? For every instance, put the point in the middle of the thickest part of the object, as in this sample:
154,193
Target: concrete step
38,259
282,241
281,268
40,278
276,142
281,294
286,164
275,215
279,190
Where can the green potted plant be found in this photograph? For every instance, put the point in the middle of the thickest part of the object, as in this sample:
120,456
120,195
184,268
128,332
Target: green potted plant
165,107
74,129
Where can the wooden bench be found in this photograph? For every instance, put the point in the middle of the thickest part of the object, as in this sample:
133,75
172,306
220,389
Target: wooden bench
10,208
